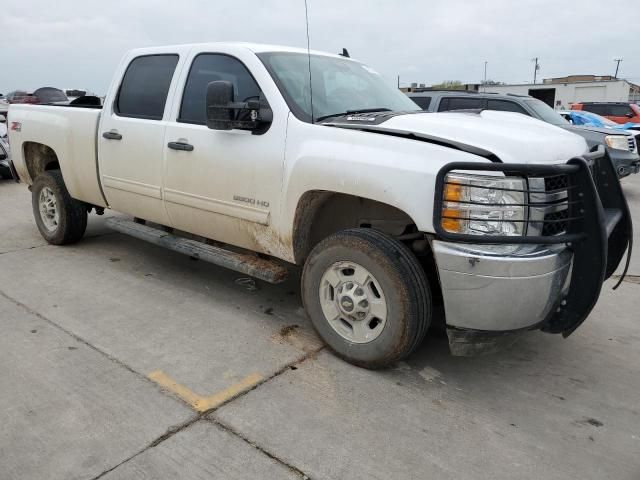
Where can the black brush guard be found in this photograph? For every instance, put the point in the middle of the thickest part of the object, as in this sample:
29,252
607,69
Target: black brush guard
597,228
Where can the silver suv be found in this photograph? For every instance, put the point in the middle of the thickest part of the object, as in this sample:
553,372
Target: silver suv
624,154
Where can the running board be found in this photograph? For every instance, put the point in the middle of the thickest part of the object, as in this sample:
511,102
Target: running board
249,264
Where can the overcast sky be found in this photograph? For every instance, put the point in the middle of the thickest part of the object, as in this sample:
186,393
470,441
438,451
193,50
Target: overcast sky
77,43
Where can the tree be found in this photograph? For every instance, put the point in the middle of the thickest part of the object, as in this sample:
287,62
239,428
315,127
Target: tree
492,82
449,85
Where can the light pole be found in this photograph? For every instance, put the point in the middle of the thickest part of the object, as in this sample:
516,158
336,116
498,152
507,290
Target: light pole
617,60
535,69
484,82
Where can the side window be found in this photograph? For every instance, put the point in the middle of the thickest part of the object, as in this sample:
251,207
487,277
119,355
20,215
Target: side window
208,68
145,85
599,109
422,102
459,103
619,110
505,106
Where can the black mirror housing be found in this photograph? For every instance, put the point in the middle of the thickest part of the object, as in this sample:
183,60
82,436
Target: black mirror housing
225,114
219,100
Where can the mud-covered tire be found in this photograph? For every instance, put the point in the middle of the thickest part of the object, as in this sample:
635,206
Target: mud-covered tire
393,269
68,221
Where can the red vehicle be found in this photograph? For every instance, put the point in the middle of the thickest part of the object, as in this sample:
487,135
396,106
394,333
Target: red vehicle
619,112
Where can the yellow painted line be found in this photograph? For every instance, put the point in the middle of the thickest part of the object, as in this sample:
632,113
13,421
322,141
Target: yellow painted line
200,403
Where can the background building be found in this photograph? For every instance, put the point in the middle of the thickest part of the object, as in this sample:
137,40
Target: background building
561,92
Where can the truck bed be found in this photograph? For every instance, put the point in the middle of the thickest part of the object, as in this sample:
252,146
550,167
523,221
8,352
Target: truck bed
70,131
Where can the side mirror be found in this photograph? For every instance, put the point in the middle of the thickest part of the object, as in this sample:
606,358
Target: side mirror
225,114
219,105
3,119
629,115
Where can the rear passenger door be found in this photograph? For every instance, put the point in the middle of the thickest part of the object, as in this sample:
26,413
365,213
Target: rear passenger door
131,137
620,113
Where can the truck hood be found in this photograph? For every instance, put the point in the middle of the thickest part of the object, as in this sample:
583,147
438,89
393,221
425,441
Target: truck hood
511,137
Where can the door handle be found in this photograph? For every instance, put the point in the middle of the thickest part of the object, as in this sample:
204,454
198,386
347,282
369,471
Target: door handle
185,147
112,136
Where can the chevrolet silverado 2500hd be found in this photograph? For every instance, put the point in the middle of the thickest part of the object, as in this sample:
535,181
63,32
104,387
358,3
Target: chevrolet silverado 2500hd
509,222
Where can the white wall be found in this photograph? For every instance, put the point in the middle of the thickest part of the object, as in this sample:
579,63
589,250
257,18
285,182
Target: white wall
567,93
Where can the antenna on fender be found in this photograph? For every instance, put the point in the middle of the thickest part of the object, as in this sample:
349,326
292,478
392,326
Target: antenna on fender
306,14
345,53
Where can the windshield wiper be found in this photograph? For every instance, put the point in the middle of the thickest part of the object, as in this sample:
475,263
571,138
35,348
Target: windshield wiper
353,112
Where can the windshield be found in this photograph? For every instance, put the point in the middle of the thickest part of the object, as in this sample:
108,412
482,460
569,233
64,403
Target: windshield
339,85
545,112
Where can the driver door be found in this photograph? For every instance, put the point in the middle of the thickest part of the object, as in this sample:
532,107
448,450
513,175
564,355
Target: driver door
222,184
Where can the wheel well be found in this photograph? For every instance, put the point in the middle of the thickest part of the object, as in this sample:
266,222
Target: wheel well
39,158
321,213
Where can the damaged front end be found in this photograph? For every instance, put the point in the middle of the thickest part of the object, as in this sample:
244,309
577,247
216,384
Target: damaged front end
572,228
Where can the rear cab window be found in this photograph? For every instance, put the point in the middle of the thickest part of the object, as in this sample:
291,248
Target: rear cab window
145,86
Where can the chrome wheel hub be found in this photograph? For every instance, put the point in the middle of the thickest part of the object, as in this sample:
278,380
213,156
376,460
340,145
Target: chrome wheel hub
353,302
48,207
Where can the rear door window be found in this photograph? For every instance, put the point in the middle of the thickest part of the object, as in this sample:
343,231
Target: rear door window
211,67
459,103
505,106
145,86
422,102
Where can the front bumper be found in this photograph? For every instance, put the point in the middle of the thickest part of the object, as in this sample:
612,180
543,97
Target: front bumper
501,287
496,287
625,163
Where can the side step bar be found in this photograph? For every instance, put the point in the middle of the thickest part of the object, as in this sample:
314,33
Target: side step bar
249,264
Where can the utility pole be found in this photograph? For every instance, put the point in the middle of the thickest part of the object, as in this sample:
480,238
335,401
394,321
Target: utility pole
617,60
484,82
535,69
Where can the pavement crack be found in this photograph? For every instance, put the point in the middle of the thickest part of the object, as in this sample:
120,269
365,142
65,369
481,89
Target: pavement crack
629,278
309,355
77,338
171,431
261,449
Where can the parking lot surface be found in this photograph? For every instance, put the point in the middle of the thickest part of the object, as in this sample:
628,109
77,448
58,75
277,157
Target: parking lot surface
121,360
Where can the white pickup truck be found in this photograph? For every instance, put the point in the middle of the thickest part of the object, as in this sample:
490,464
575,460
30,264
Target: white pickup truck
258,158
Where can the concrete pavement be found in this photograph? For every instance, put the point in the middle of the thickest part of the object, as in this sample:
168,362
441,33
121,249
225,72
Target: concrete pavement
146,364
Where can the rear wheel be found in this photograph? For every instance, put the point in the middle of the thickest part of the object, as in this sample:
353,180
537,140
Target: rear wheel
367,297
60,218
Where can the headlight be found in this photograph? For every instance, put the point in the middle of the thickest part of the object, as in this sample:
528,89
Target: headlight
483,205
619,142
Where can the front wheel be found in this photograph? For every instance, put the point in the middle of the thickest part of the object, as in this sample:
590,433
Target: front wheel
367,296
60,218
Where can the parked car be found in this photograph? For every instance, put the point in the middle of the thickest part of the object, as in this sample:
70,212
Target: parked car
20,96
386,208
4,105
584,118
5,169
44,95
73,93
621,145
619,112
